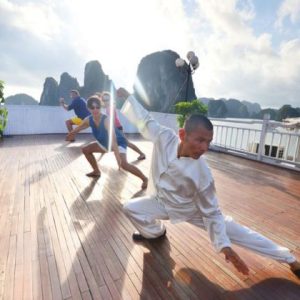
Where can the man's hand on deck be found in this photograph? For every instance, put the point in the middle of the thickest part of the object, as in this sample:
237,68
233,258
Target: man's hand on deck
70,136
233,257
122,93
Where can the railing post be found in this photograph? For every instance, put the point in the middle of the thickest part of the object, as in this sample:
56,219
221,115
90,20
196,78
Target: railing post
262,140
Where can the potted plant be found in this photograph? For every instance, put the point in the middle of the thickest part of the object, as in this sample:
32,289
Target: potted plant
3,111
184,109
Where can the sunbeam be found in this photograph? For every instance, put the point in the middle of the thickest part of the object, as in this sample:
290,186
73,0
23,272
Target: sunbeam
111,116
140,89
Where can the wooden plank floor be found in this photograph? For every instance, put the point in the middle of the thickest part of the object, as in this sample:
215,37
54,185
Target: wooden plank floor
64,236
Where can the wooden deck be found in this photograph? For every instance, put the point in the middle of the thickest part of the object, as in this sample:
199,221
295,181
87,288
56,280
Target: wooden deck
64,236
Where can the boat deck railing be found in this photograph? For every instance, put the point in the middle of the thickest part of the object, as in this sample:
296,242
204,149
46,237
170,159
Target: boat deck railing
263,140
266,140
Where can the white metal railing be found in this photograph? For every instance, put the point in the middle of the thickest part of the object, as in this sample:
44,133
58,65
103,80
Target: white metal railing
36,119
262,140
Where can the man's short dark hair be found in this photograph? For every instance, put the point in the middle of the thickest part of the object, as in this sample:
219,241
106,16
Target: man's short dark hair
197,120
93,100
75,92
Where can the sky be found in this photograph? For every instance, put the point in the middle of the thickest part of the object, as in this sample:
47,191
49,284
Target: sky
248,49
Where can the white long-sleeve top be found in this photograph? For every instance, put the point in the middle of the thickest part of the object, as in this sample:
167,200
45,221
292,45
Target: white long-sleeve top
184,185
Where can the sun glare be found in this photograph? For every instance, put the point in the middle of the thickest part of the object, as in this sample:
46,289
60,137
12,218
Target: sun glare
140,89
120,33
112,117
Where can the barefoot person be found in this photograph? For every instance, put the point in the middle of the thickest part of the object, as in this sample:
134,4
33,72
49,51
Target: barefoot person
80,109
100,128
106,98
181,188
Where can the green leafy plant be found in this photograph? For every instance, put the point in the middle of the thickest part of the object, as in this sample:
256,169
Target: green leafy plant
184,109
3,110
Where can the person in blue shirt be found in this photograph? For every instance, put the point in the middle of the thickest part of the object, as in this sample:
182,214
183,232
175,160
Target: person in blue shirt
100,125
78,104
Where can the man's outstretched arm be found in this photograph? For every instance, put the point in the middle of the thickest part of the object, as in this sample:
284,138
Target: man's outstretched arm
215,225
63,104
139,116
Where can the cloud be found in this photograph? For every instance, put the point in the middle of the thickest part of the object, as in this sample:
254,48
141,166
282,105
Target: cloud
288,9
38,17
237,63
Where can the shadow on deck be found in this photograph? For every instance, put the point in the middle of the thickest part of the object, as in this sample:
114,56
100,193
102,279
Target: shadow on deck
64,236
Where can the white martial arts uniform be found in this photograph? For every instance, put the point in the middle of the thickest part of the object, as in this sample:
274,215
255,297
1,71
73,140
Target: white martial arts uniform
182,189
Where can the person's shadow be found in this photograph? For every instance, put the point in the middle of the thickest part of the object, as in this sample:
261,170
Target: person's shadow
163,278
99,221
52,163
53,159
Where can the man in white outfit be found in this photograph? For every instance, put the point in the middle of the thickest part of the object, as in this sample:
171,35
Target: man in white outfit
181,188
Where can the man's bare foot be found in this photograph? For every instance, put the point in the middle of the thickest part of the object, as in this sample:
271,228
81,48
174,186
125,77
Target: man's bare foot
93,174
144,184
141,157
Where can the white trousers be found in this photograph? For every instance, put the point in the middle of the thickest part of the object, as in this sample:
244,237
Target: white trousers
146,214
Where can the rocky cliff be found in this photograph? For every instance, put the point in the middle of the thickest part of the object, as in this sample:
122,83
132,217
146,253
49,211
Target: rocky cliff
95,80
253,108
50,92
231,108
22,99
66,84
160,84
